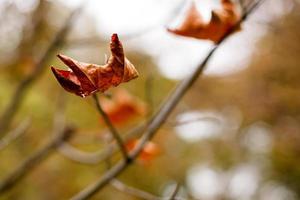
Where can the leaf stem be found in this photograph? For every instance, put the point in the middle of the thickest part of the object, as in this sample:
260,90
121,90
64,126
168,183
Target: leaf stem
112,129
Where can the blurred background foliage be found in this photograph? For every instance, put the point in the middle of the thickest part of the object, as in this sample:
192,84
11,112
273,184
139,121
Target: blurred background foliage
245,144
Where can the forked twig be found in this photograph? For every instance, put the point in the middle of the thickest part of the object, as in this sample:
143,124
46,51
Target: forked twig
111,127
160,117
80,156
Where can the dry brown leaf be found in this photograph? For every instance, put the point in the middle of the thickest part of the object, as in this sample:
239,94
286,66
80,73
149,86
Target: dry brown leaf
84,78
220,23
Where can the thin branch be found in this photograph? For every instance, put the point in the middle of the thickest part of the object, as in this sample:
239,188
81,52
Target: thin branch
119,185
242,4
33,160
79,156
93,158
133,191
175,192
60,134
196,119
21,90
158,119
14,134
111,127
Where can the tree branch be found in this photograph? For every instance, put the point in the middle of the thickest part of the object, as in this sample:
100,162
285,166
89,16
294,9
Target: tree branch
74,154
133,191
111,127
80,156
160,117
175,192
14,134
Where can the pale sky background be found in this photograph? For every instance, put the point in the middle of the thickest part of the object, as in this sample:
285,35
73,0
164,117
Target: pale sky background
177,56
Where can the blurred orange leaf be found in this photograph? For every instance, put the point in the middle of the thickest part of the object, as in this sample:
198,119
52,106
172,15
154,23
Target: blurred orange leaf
84,78
122,107
149,151
221,21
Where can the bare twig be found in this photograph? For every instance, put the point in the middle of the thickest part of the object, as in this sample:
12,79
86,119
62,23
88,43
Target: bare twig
159,118
197,119
175,192
22,88
33,160
60,134
133,191
111,127
79,156
119,185
93,158
14,134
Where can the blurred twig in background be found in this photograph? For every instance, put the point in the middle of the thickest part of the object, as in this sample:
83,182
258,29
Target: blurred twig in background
20,92
140,193
14,134
61,133
33,160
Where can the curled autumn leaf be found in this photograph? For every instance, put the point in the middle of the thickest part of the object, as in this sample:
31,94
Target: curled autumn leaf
150,150
123,107
220,23
83,79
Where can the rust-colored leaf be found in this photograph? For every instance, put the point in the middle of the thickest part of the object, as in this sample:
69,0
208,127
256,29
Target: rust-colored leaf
84,79
150,150
123,107
220,23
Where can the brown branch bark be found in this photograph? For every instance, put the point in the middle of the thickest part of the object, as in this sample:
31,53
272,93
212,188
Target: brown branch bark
175,192
111,127
159,118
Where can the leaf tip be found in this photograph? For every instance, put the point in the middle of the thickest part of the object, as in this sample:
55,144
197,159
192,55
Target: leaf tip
114,37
